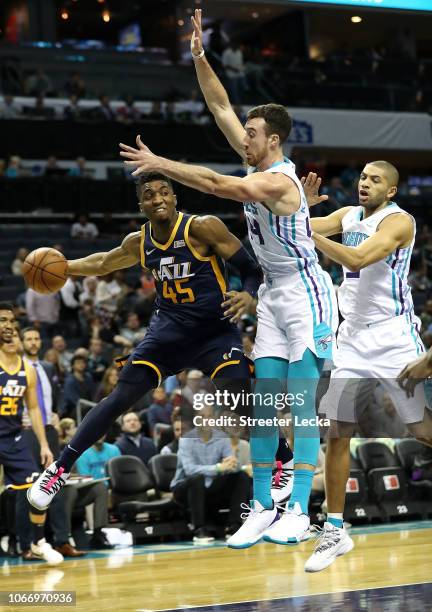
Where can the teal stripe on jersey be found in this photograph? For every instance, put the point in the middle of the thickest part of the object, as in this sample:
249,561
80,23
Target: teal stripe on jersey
324,289
299,265
406,263
293,227
413,335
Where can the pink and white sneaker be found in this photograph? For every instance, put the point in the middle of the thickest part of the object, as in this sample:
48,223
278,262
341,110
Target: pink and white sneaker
49,483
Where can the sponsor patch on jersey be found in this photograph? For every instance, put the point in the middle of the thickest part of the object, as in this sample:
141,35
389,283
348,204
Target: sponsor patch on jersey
179,243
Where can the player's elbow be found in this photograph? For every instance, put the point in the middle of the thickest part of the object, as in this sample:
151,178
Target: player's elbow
356,263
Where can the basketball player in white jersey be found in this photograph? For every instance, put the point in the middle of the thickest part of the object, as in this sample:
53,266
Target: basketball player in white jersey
297,313
379,334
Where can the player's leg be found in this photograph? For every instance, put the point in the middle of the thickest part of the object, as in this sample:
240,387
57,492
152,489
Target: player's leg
303,379
19,469
270,373
136,380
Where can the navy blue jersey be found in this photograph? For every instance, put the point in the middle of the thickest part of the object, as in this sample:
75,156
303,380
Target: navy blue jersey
190,287
13,386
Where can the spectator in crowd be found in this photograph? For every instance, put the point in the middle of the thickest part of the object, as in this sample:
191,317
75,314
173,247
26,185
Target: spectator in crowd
58,343
156,112
43,311
178,430
9,109
38,83
194,384
53,357
93,463
78,385
83,228
96,363
109,381
241,451
232,60
128,112
108,292
132,441
90,284
104,111
52,168
75,85
47,390
133,331
190,110
160,410
73,111
70,305
80,169
350,176
17,264
14,168
39,110
338,195
208,476
67,431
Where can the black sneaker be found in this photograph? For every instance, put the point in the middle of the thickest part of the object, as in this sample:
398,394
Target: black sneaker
202,536
100,541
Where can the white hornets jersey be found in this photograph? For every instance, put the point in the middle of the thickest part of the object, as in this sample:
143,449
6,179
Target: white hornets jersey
282,244
379,291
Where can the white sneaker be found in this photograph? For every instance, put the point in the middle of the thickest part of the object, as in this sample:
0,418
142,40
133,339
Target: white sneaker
44,550
42,492
332,543
282,482
291,528
258,519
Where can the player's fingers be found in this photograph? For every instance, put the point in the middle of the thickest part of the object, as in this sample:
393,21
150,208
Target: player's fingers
303,180
126,147
318,181
139,142
323,198
130,163
128,155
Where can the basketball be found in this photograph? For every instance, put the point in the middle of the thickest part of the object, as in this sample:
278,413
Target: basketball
44,270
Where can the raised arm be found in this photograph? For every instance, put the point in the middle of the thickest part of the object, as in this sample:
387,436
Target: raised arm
214,92
261,186
98,264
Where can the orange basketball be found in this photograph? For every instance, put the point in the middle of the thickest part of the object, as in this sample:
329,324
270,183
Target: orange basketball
45,270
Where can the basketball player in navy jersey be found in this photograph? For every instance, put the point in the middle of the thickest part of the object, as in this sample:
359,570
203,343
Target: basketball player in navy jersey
194,321
18,383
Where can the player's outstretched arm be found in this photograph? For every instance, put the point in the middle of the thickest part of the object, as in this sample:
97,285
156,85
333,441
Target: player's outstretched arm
394,232
98,264
259,186
36,417
326,226
214,92
213,232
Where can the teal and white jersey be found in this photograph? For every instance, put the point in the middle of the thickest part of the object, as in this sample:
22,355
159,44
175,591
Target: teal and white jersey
286,252
282,244
379,291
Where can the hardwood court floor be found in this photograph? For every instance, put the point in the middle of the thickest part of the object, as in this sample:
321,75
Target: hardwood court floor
183,576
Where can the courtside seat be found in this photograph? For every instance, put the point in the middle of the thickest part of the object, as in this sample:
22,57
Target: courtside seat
142,496
407,452
387,482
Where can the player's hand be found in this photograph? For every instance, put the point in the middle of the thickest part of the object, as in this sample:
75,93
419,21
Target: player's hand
236,304
414,373
311,185
46,456
196,40
141,157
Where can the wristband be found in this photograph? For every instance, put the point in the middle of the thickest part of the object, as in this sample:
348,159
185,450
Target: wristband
201,54
218,468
